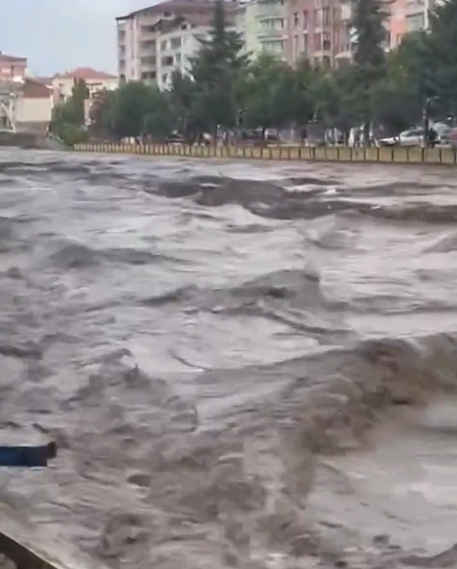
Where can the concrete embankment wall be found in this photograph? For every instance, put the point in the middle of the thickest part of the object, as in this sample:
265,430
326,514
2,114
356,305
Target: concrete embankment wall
445,156
23,139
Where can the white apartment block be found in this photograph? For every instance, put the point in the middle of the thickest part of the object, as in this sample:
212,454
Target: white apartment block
175,49
154,41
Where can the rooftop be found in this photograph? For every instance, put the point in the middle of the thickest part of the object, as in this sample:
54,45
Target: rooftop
86,73
35,89
171,6
4,58
43,80
194,20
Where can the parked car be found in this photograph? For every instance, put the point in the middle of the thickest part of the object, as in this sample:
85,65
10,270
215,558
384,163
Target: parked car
412,137
450,136
174,138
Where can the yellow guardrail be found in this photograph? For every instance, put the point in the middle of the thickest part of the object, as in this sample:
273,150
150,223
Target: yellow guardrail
394,155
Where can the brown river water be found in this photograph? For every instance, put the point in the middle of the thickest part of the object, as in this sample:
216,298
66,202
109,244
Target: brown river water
247,365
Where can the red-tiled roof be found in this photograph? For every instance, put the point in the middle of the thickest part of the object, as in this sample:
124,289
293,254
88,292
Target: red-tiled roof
86,73
43,80
33,89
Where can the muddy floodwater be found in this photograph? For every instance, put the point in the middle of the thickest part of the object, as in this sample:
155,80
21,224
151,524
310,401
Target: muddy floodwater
245,365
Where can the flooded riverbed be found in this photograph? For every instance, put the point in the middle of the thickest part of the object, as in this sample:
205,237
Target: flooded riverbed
244,364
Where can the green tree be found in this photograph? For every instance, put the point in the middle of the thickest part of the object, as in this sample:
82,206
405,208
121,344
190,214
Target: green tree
68,118
216,71
268,89
368,23
79,94
439,54
302,100
335,99
137,110
159,120
101,115
182,96
399,98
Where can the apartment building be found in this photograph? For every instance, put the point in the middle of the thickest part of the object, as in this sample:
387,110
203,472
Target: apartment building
138,37
410,16
12,67
96,81
247,25
25,102
178,41
318,30
262,24
271,16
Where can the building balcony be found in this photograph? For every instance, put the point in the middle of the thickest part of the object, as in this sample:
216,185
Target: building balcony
268,11
271,35
148,62
345,54
147,35
346,11
415,7
320,53
147,53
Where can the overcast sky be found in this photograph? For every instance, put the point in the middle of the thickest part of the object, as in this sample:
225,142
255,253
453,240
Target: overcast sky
59,35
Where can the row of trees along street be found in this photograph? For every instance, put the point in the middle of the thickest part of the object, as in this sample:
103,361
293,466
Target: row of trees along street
224,88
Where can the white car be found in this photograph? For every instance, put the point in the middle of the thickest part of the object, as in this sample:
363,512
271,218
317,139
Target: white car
412,137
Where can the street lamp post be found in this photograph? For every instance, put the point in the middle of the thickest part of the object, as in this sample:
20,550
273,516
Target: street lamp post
426,118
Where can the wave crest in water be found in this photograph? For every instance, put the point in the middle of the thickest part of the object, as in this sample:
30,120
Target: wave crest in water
241,492
243,370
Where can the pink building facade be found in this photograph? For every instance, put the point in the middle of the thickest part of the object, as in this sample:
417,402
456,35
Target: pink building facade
397,22
318,30
12,68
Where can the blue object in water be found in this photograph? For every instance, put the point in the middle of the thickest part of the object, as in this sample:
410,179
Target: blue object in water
27,456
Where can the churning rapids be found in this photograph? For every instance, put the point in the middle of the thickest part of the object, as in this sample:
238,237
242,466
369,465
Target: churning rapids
245,365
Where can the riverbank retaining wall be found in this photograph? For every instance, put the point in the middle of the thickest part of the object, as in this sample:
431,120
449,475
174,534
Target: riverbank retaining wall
23,139
396,155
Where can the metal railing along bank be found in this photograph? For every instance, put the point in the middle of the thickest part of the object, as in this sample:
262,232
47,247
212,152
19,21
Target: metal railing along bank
394,155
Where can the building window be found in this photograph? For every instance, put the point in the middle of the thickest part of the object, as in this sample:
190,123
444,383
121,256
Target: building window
305,20
148,60
164,79
326,43
175,43
148,29
164,44
148,44
296,19
326,17
415,22
148,75
167,61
